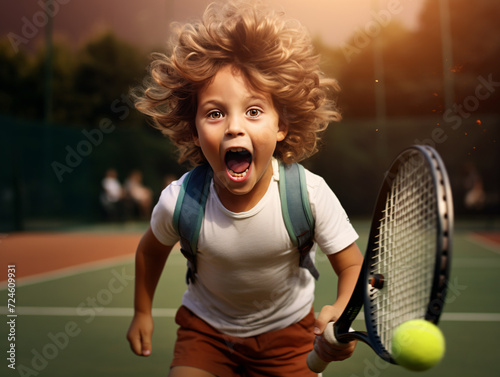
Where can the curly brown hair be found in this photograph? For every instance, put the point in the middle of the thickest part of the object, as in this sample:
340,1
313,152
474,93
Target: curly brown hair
275,56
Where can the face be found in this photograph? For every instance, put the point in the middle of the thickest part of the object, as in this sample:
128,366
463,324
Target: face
238,129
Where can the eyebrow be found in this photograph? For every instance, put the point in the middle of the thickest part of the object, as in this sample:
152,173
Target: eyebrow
260,98
250,98
210,102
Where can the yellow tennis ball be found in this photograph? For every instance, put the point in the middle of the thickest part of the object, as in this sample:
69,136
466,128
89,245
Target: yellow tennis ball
418,345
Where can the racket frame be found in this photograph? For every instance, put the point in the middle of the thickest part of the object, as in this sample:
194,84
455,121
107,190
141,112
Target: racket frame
361,296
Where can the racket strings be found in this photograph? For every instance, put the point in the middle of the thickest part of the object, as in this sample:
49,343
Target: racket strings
405,250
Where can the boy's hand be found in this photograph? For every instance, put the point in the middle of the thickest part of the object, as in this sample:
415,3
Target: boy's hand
140,333
325,350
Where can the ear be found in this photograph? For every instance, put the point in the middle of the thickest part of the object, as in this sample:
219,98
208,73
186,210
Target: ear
282,131
196,140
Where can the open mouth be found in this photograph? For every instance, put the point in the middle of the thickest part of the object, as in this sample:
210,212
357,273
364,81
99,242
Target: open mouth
238,161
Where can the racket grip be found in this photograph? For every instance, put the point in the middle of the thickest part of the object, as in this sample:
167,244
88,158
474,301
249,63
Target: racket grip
315,363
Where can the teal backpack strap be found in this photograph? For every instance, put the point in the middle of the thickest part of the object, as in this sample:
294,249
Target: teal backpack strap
296,211
189,212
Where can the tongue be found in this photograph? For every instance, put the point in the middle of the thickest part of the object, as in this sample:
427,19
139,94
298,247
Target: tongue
238,161
237,165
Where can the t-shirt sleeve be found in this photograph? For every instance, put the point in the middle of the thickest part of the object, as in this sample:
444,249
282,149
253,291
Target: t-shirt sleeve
333,229
163,212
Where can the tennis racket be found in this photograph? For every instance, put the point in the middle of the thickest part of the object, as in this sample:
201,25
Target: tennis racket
407,262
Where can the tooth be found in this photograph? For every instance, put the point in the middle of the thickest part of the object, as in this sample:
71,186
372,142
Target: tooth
238,175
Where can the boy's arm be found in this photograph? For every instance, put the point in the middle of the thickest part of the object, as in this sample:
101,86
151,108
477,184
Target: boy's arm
347,264
150,259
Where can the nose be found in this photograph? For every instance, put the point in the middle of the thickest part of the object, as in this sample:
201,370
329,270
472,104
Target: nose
235,126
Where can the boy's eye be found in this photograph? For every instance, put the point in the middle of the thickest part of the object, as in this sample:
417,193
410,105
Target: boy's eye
254,113
215,114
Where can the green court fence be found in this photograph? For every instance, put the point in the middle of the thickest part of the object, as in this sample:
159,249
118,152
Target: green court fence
53,172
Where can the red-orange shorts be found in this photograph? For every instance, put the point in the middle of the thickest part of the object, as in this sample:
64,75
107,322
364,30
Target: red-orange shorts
276,353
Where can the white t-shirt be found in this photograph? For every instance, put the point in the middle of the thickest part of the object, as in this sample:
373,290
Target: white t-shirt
248,277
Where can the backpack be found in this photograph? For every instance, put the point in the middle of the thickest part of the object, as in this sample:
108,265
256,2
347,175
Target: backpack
295,208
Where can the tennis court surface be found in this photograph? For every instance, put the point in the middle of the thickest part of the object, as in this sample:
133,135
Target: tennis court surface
74,292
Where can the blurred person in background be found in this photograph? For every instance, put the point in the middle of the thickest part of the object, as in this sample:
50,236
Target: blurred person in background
140,195
112,195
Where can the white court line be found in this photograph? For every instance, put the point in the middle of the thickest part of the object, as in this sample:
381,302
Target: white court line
70,271
459,317
69,311
170,313
471,317
174,260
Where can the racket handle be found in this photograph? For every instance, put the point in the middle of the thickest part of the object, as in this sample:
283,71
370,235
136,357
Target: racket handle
315,363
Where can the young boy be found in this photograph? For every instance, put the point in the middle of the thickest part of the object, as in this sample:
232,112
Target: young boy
242,91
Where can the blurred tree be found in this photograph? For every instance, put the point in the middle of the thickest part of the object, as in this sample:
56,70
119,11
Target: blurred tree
107,69
64,66
16,91
413,76
94,82
88,85
475,30
413,66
